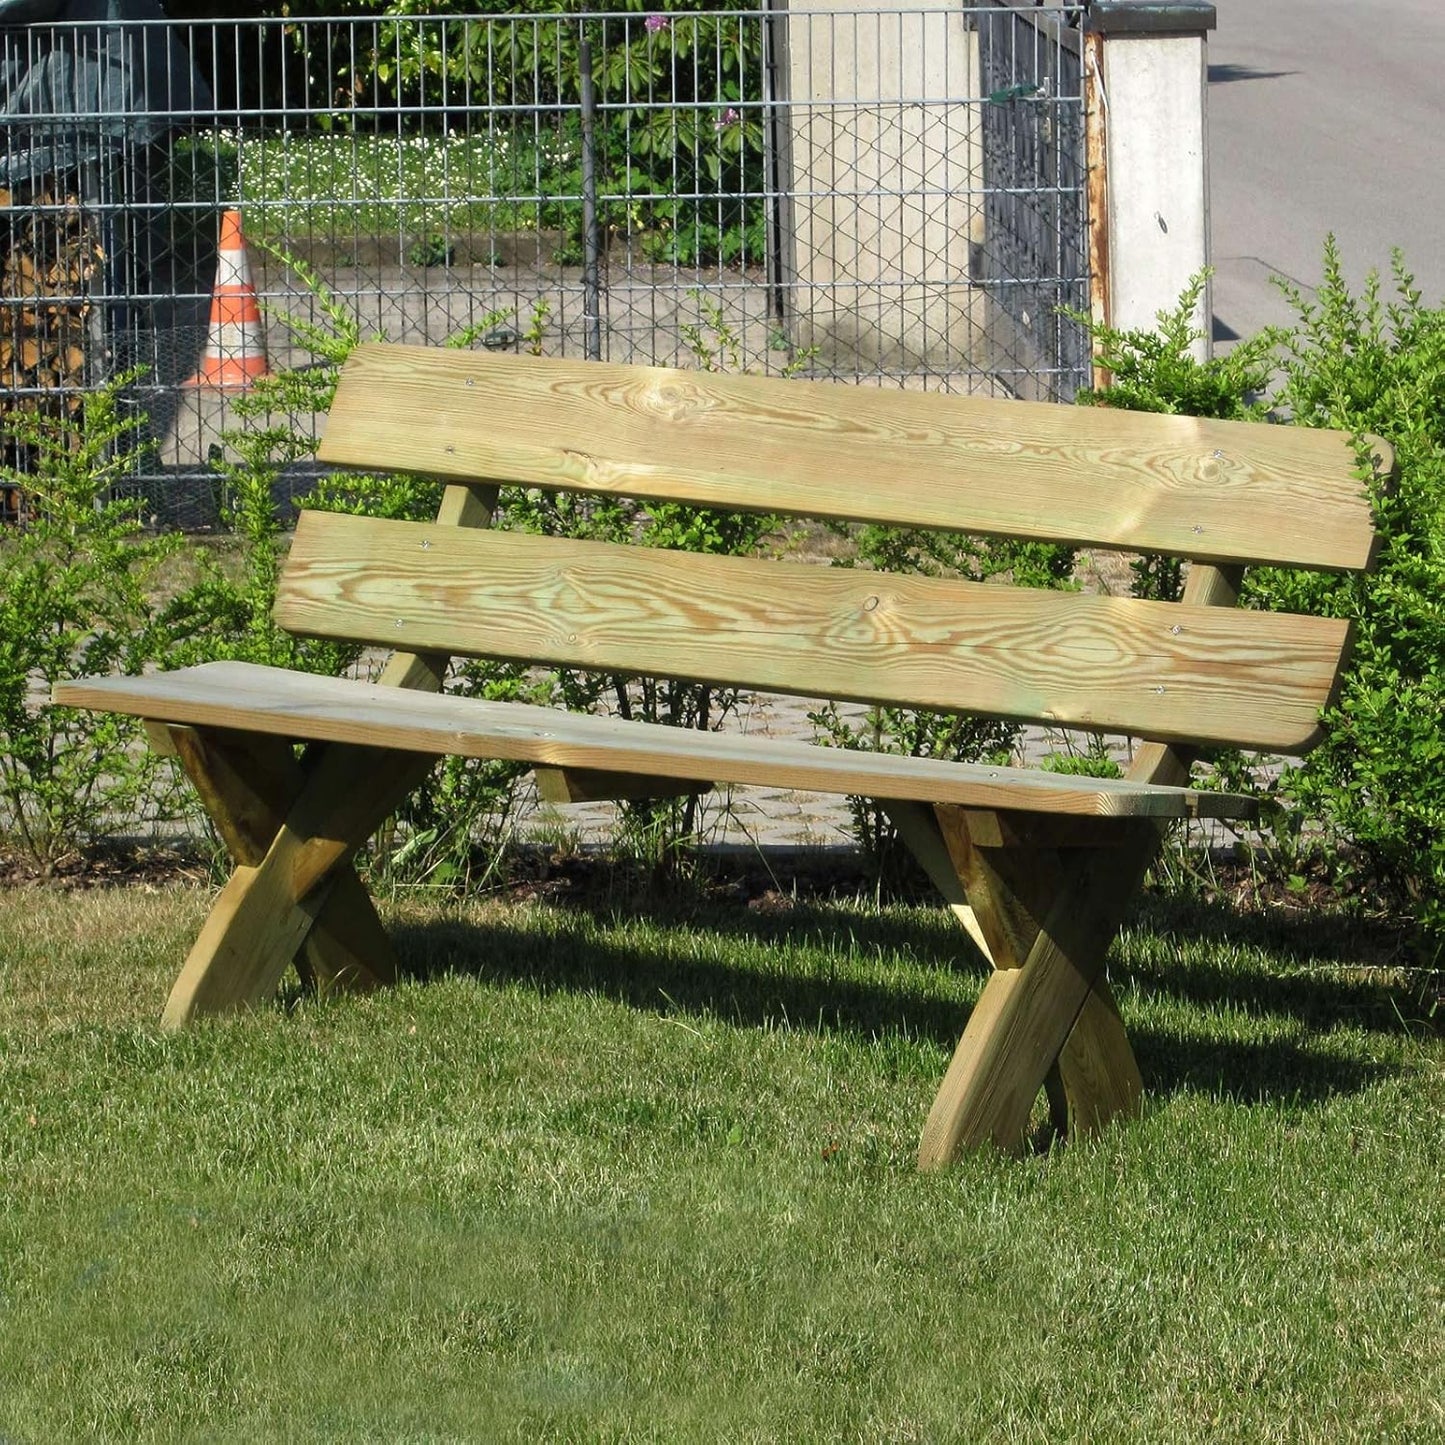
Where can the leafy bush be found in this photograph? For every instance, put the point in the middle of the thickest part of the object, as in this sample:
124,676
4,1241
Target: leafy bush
678,91
1372,794
1377,781
77,586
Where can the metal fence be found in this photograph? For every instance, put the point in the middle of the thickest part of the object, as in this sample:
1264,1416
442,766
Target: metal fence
890,196
1034,182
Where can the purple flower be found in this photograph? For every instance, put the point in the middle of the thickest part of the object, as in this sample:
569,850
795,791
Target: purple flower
727,118
654,23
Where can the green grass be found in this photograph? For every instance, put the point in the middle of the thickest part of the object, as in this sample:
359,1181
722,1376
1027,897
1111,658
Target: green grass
644,1172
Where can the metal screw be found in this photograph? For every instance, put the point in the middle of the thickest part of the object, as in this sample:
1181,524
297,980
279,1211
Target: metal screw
471,381
401,621
451,451
425,545
1197,530
1218,455
1160,691
1176,629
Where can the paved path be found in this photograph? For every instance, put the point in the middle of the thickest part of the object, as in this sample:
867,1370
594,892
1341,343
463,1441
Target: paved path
744,817
730,817
1323,117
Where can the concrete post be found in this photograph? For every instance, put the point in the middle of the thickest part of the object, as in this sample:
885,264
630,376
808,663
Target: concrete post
1145,91
880,161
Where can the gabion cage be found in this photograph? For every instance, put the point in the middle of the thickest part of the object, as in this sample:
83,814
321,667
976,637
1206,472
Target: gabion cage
889,196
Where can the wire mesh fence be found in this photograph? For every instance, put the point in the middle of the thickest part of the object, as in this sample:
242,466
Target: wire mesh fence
892,196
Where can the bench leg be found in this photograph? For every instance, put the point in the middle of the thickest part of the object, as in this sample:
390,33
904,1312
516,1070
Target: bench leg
1098,1072
248,782
268,912
1049,916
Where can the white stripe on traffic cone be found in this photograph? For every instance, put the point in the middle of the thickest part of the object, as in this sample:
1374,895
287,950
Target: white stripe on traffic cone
235,354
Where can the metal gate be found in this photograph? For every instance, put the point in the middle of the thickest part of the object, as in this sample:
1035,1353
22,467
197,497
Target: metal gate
1035,262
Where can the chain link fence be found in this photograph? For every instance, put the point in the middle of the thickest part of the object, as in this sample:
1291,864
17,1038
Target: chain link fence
893,196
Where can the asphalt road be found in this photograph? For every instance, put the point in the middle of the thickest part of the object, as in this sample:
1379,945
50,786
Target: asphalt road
1323,116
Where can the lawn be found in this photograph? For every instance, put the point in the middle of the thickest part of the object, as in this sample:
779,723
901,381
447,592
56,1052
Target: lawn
615,1166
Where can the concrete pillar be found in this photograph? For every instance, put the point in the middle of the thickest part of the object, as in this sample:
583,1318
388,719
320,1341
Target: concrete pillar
1146,74
881,179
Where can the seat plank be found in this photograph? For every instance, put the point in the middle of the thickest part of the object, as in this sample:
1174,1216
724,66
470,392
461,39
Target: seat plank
1154,669
304,706
1213,490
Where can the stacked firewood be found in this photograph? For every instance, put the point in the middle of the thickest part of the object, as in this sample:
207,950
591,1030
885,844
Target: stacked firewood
49,253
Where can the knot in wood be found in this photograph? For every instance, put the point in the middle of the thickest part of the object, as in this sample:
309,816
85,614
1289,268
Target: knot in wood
672,400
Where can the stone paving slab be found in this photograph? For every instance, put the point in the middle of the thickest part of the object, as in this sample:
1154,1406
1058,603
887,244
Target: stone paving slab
746,817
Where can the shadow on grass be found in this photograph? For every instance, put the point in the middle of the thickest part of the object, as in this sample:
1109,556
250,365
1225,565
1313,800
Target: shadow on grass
1319,969
671,979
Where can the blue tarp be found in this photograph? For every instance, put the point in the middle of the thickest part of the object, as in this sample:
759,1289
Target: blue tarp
75,93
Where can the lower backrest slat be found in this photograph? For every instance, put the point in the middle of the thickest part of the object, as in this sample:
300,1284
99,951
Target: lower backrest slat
1156,670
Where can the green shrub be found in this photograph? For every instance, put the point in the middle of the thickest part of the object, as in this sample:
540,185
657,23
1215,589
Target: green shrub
1369,802
1377,781
678,90
78,582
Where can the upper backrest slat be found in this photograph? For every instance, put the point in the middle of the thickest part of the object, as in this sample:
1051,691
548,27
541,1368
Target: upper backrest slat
1155,669
1211,490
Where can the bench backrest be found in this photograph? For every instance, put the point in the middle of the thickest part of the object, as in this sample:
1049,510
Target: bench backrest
1219,493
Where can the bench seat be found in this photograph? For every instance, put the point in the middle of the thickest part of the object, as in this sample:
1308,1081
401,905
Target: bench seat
305,707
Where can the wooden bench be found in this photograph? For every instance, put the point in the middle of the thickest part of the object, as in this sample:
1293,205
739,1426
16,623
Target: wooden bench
1039,867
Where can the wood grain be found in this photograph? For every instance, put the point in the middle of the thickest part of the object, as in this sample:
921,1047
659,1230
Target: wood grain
265,913
301,705
1154,669
461,506
1024,1015
564,786
1214,490
1097,1068
248,782
918,828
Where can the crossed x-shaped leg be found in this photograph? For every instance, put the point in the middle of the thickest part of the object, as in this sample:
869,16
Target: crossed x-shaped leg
1043,896
291,828
1045,899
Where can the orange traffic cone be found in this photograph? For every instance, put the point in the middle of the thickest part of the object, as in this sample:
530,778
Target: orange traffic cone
235,354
